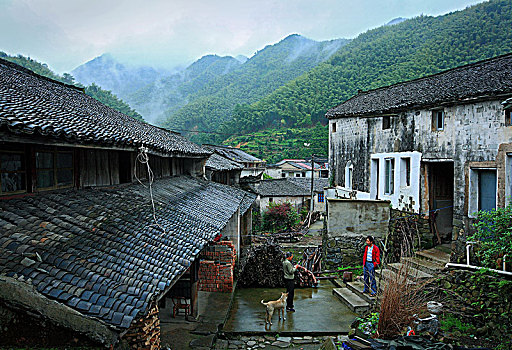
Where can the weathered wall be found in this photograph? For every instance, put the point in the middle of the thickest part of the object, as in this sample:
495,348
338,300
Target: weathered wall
29,318
231,231
472,133
349,222
297,202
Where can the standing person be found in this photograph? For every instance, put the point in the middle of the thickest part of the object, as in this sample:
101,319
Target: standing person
371,259
289,280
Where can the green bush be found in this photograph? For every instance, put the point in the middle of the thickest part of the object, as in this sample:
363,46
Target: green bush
280,217
494,234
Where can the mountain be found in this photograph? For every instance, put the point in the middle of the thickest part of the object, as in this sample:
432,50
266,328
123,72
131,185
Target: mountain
169,93
395,21
112,75
104,96
386,55
215,101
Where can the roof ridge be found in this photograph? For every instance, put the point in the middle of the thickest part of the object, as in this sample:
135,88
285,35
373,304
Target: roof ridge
465,66
29,71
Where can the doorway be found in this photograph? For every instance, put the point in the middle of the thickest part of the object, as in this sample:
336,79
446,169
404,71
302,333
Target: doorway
440,179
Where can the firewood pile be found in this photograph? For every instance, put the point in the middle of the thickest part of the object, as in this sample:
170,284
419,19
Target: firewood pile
308,266
263,266
145,332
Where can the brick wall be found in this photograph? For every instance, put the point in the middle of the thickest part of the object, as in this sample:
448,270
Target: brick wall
216,267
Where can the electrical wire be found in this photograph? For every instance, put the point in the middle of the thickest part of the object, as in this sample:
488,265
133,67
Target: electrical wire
143,158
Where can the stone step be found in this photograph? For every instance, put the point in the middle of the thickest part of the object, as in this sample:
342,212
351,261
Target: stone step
412,273
357,287
352,300
386,275
434,255
424,265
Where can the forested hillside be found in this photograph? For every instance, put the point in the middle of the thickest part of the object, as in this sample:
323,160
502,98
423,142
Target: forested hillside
104,96
379,57
169,93
212,103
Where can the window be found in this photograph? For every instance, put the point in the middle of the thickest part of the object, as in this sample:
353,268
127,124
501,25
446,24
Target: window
386,122
349,168
486,190
405,172
297,174
320,198
508,122
303,174
437,120
54,169
333,128
12,172
482,190
270,199
389,176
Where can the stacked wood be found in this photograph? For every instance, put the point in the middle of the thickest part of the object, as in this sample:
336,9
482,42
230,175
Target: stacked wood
305,278
263,266
144,333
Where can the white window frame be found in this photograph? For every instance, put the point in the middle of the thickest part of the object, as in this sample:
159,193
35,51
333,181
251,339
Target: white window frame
389,176
349,171
405,171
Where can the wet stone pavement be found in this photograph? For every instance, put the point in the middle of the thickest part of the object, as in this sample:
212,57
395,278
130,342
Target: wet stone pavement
271,342
318,312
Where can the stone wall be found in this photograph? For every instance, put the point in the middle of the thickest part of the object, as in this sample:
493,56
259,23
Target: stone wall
216,267
349,222
484,300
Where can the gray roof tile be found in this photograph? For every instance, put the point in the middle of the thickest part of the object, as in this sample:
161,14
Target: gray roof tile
481,79
98,271
34,105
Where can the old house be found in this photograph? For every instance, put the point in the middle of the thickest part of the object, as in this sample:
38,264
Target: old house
223,170
438,145
252,166
298,168
295,191
88,252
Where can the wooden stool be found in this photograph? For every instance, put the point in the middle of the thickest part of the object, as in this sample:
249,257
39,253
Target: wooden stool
180,303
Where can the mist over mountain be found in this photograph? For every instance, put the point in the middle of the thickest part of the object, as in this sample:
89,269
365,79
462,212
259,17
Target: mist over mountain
169,93
212,103
209,88
112,75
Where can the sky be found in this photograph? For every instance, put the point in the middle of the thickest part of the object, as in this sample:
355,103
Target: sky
169,33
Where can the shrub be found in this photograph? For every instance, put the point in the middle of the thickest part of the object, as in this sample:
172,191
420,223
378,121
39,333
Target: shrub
494,233
279,217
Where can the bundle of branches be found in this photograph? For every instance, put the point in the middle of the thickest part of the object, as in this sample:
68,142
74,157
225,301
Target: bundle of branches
312,259
406,231
401,301
305,278
263,266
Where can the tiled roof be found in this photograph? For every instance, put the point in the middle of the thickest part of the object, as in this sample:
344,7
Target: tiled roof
318,184
248,200
233,153
482,79
96,251
35,105
278,188
219,163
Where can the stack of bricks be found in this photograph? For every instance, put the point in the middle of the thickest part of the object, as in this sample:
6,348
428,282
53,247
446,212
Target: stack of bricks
216,267
144,333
